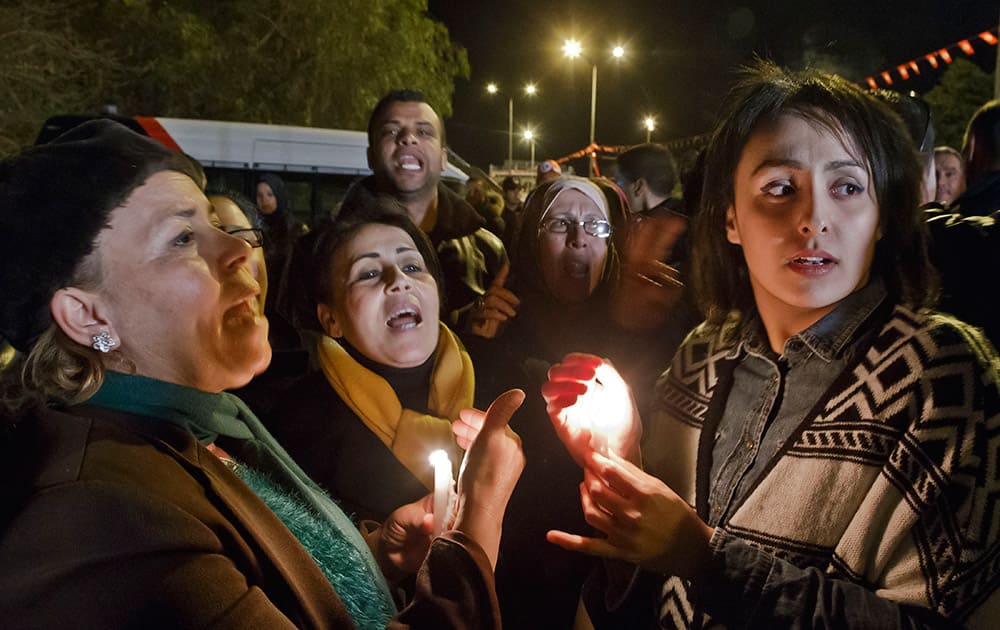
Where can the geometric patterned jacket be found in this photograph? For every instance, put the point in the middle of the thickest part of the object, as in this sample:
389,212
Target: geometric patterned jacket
892,482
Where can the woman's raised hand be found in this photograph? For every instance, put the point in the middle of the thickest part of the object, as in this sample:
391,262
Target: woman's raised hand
490,470
572,379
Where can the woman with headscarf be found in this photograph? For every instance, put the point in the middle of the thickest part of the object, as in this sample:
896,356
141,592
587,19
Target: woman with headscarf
281,231
136,493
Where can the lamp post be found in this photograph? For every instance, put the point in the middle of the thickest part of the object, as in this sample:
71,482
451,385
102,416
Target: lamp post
530,89
649,123
529,135
573,49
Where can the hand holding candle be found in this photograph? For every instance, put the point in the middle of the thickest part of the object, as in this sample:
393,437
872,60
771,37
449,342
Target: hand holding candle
444,488
591,407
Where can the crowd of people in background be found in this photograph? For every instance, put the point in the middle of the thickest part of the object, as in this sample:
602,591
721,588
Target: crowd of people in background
215,415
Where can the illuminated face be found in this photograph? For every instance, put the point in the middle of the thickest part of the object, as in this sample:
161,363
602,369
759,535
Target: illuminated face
385,302
406,153
572,263
180,293
950,178
267,203
806,217
231,217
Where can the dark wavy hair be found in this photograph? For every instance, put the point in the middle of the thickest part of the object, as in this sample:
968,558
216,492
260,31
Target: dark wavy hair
764,94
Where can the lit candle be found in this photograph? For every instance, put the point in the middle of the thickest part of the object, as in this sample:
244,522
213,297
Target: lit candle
443,484
602,409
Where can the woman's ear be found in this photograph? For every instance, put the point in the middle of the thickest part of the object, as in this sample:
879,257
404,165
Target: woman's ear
80,314
732,230
326,319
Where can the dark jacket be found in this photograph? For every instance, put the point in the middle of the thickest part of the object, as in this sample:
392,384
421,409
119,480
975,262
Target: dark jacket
116,520
981,199
335,448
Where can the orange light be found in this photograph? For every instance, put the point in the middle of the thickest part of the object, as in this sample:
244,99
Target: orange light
914,67
988,37
944,54
966,47
903,72
932,60
887,78
872,84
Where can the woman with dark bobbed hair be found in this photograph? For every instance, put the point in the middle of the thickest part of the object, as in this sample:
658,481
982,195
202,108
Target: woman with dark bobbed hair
819,452
136,492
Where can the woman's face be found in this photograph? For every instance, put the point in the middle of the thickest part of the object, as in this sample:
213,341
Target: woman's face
572,263
267,203
180,293
385,302
232,218
806,217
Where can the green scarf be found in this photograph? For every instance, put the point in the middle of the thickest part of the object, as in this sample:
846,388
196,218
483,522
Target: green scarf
209,417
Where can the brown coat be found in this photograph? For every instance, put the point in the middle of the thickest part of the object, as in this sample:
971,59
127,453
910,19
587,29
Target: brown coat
116,520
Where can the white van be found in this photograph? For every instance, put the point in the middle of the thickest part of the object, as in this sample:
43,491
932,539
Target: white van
317,164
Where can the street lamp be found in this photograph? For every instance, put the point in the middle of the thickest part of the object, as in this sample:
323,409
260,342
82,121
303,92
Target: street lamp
650,124
573,49
529,136
530,89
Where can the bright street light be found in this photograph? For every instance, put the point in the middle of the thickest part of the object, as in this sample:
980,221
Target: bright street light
529,136
530,89
573,49
650,124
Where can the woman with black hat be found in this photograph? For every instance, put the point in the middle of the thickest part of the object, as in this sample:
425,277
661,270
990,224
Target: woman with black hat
136,494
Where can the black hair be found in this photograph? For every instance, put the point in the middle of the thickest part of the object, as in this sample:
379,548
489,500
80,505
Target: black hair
768,92
651,162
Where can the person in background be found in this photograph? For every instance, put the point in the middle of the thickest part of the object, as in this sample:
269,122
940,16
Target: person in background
482,196
815,456
281,230
547,171
981,150
654,255
949,170
512,208
406,152
137,493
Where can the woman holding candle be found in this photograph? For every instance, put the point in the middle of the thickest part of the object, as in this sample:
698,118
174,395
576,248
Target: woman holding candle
563,274
136,493
392,377
819,448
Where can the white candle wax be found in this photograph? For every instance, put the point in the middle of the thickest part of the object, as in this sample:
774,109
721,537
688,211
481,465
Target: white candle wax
443,483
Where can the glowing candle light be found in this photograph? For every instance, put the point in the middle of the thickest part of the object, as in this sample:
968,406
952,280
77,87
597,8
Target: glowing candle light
443,486
602,409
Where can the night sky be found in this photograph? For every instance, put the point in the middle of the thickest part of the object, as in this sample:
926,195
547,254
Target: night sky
680,60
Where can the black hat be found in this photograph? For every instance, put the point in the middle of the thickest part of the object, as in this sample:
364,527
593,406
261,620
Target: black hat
509,183
54,201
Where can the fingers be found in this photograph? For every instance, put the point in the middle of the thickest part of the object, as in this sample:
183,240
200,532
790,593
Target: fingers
467,426
501,410
619,473
501,278
591,546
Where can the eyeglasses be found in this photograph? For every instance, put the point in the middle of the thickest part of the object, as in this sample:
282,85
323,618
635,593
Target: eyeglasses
253,236
595,227
926,138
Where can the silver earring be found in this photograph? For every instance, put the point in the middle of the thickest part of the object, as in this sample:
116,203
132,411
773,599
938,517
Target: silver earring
103,342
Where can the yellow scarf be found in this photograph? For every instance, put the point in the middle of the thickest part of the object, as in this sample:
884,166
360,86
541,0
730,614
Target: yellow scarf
411,436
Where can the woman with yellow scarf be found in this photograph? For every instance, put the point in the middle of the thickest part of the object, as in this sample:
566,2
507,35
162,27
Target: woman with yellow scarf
392,377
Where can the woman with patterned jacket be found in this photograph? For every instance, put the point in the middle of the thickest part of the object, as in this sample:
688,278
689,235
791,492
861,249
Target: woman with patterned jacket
823,450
